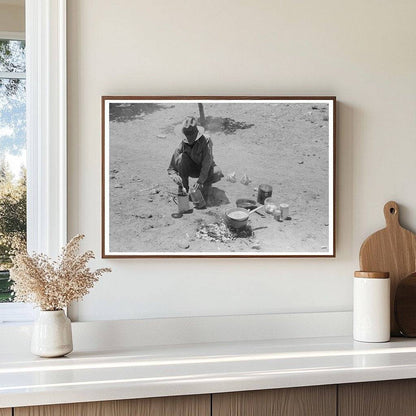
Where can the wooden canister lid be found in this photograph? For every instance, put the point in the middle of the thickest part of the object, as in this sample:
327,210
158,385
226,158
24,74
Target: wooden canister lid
372,275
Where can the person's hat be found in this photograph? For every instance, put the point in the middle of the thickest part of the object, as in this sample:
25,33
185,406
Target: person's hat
188,126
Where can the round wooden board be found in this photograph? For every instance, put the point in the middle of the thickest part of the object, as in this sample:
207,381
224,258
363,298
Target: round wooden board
405,306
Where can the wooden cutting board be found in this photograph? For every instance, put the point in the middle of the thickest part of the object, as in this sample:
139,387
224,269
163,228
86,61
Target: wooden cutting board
393,250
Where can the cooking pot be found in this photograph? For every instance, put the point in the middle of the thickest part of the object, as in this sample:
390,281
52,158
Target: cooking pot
237,217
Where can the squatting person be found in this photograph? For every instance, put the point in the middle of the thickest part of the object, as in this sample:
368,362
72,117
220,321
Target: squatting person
193,158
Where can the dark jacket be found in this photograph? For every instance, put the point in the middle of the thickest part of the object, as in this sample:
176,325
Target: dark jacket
200,153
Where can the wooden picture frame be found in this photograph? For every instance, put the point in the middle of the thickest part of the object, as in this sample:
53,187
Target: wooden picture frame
286,142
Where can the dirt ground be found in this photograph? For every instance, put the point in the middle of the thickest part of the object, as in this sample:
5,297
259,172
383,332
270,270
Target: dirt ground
283,145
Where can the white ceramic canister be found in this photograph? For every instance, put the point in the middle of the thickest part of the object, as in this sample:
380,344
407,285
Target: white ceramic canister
371,313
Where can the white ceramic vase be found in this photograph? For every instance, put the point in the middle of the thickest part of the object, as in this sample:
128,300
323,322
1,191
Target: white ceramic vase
52,334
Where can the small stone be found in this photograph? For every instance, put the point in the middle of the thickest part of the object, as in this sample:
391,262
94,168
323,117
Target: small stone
118,186
256,246
326,225
150,199
161,136
324,247
300,162
183,244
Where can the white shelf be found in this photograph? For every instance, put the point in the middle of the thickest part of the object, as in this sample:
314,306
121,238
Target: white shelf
151,371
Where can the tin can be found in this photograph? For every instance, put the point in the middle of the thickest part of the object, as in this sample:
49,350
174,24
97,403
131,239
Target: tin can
183,203
265,191
284,209
277,215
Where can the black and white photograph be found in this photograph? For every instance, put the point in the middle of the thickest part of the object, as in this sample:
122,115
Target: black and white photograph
218,176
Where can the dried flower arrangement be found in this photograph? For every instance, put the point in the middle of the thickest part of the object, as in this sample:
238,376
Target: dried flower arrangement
53,285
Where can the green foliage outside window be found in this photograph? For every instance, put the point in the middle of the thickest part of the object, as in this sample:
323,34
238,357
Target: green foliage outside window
12,223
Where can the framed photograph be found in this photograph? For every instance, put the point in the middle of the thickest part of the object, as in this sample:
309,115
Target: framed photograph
218,176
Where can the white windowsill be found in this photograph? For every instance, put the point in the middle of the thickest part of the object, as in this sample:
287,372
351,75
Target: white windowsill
16,313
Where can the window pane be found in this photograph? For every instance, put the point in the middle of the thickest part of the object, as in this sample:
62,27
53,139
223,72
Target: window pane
12,56
12,174
12,118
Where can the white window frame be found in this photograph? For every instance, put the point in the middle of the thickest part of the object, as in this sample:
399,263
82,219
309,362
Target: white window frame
46,127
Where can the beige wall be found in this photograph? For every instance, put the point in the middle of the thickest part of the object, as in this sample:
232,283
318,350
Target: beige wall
12,18
361,51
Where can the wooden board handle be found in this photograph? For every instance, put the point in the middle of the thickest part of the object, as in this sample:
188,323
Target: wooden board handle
391,214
